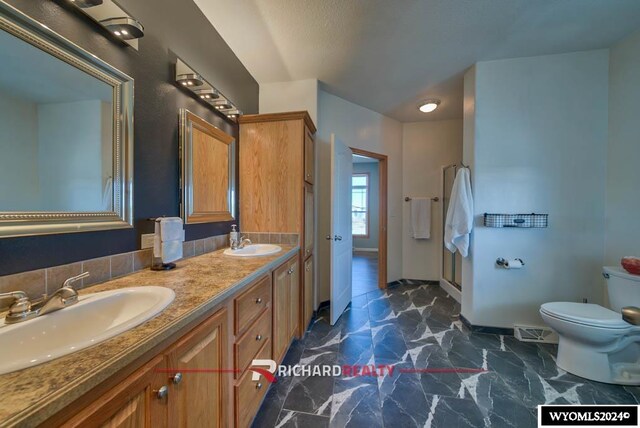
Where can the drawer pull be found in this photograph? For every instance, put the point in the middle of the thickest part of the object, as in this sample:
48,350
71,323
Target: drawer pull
162,392
258,300
259,385
259,337
177,378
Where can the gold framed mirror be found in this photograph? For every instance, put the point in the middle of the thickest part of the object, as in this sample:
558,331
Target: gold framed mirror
66,134
208,171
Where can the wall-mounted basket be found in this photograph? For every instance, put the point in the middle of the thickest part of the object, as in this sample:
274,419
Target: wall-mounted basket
516,220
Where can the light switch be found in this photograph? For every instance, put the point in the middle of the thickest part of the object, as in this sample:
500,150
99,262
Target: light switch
147,241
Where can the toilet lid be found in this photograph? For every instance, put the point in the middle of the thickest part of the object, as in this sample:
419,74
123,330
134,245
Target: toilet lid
585,313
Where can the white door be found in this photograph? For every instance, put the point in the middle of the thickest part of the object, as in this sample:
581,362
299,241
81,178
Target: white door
340,238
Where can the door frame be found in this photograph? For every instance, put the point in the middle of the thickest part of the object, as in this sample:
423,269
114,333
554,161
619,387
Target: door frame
382,226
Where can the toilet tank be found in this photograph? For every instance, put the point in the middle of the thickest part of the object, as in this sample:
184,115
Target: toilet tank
623,288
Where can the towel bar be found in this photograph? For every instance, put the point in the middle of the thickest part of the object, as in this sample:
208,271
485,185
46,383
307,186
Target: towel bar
434,199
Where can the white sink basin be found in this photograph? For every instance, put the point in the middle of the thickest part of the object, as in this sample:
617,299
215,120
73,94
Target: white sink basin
254,250
95,318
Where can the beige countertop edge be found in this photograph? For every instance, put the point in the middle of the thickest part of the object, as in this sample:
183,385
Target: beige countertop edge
58,400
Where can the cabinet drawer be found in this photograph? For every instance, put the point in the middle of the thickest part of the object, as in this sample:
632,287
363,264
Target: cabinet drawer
249,394
248,345
250,304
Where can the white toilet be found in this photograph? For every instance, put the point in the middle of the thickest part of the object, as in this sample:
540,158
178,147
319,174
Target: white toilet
595,342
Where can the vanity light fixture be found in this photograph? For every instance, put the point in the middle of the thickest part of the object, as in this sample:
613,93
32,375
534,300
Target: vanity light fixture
84,4
125,28
113,18
428,106
189,79
207,94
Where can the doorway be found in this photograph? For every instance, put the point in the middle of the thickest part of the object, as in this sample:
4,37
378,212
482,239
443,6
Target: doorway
369,221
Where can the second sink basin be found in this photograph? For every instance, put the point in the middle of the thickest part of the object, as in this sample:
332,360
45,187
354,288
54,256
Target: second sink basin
95,318
254,250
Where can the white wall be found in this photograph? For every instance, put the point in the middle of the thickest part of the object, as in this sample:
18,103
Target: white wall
539,145
290,96
426,148
623,178
372,169
19,189
364,129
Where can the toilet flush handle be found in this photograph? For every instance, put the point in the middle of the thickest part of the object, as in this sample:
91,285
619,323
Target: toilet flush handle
631,314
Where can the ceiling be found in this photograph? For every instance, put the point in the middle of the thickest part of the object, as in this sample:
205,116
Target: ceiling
388,55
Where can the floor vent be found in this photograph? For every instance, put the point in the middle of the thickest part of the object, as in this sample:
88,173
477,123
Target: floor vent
526,333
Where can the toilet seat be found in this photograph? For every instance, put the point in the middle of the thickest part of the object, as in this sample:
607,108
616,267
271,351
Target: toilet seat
587,314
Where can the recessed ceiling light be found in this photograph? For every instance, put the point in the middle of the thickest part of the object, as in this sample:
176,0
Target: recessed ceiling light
428,106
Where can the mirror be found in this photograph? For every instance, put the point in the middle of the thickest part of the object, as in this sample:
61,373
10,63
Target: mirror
65,134
208,171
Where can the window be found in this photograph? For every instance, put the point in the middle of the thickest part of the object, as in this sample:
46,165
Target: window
360,205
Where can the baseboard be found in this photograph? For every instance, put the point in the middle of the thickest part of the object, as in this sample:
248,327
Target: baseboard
451,290
484,329
366,250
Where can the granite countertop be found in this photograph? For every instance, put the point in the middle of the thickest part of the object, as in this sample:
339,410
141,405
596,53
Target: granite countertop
32,395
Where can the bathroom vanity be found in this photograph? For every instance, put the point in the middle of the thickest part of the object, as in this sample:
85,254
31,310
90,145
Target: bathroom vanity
188,366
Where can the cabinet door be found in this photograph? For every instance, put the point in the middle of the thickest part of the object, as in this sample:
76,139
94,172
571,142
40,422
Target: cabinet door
308,292
135,403
308,220
294,295
280,311
309,156
198,395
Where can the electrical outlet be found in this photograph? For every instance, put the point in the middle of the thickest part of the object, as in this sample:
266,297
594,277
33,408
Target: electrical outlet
146,241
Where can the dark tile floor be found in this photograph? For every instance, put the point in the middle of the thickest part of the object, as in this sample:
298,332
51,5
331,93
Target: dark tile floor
364,271
416,326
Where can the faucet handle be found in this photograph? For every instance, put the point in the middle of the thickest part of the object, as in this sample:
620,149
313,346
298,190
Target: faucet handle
69,281
17,298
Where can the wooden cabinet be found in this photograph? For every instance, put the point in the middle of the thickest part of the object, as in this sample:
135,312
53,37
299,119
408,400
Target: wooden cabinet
134,403
198,394
251,303
308,220
308,292
277,169
309,157
178,388
286,306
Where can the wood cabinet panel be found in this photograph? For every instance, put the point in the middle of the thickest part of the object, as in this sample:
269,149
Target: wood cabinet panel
250,304
294,299
308,292
249,344
132,404
249,394
199,398
308,220
271,167
280,312
309,157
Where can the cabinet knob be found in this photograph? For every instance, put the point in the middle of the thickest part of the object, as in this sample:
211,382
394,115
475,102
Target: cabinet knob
177,378
258,300
258,385
162,392
290,271
308,269
259,337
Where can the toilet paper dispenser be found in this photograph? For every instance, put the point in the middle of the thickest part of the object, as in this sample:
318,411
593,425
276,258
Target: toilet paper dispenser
510,264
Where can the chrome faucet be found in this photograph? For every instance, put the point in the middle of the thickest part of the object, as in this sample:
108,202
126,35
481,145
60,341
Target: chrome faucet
238,244
22,309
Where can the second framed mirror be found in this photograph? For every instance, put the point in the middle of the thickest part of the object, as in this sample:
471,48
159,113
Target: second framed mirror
208,171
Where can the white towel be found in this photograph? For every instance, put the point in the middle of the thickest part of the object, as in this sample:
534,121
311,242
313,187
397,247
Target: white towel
167,242
459,223
421,218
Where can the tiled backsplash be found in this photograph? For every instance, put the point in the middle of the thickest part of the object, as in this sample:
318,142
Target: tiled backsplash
45,281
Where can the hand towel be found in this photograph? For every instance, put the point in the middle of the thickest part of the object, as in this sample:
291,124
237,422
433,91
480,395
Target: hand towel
459,222
167,242
421,218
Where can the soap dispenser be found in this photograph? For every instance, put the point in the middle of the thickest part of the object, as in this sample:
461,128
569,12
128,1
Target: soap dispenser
233,236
